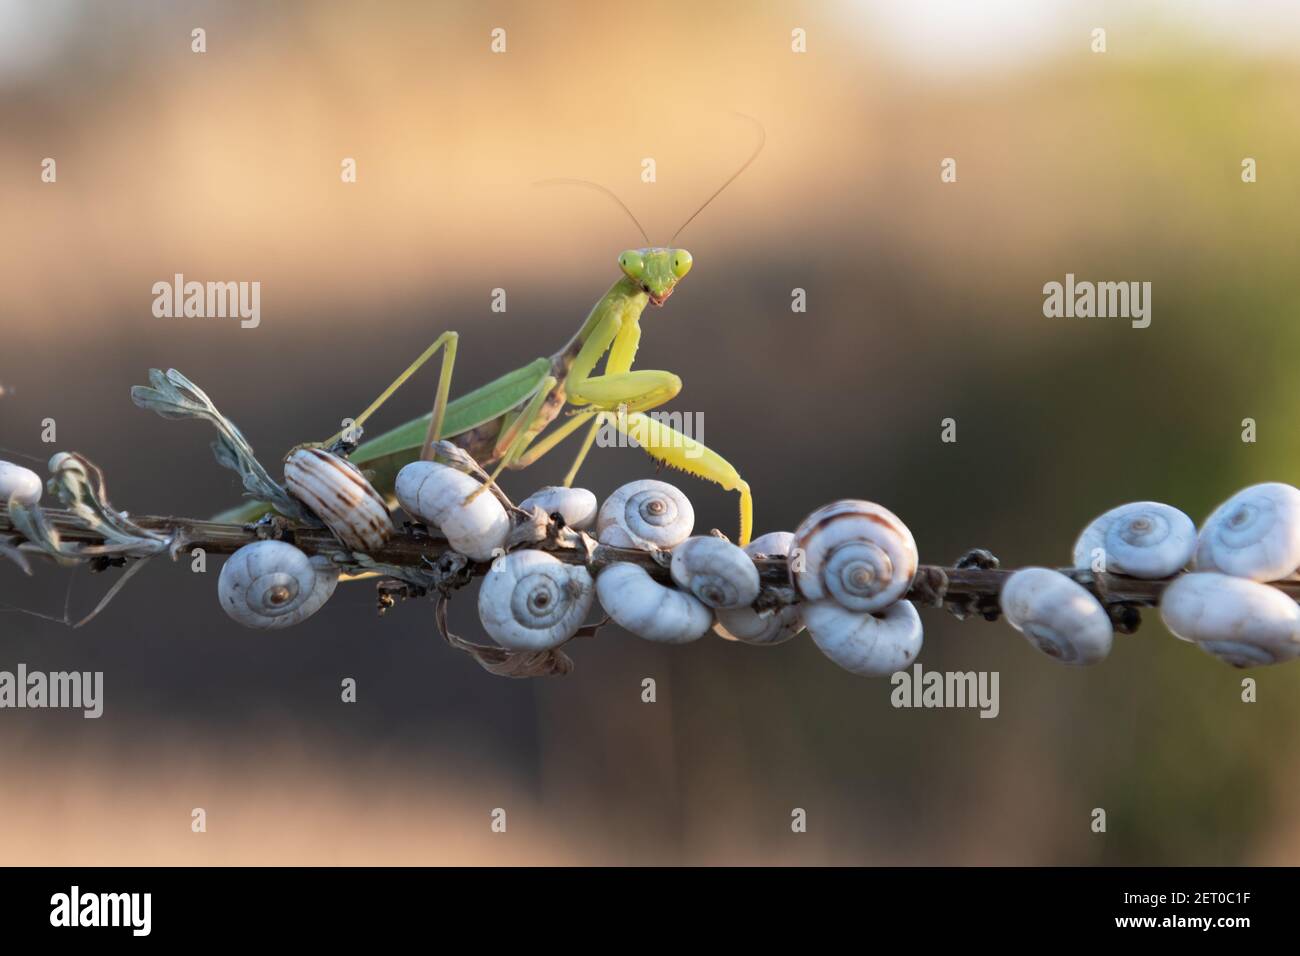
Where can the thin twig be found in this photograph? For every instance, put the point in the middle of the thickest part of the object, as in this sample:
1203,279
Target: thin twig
967,587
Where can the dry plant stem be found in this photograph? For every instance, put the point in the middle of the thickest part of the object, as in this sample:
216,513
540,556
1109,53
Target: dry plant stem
973,590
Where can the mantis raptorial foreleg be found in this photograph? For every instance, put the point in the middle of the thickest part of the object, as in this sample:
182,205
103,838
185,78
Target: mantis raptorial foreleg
447,342
680,451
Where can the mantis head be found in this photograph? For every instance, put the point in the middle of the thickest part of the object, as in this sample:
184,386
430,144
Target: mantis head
655,271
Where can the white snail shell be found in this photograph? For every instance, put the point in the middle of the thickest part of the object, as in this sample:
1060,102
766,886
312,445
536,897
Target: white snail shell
1057,615
645,514
717,572
335,491
1239,621
576,505
1145,539
773,544
532,601
768,627
856,553
1254,534
640,604
871,645
19,484
436,494
271,584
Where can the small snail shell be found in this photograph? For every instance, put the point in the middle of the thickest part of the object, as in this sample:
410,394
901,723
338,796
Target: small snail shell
19,484
335,491
871,645
1145,539
576,505
856,553
1057,615
532,601
1254,534
271,584
774,544
645,514
436,494
640,604
1241,622
715,571
769,627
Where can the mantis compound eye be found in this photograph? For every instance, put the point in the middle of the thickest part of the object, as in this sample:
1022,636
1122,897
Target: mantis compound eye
632,264
681,262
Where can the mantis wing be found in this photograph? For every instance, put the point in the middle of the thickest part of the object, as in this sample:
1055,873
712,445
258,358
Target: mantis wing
386,454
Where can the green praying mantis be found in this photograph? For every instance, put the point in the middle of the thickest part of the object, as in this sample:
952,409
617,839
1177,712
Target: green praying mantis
501,424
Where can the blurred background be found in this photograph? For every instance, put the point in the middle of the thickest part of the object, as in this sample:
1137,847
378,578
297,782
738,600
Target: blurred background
924,303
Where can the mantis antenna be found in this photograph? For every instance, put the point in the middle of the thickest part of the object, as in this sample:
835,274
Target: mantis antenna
608,192
762,140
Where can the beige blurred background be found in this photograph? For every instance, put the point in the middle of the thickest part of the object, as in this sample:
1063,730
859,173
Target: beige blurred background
924,302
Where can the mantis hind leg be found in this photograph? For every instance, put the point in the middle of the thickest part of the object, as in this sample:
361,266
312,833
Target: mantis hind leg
676,450
447,342
518,435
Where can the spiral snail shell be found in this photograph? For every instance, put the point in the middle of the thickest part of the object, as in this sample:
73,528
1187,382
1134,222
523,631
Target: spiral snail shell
1145,539
532,601
1254,534
271,584
645,514
766,627
1057,615
436,493
335,491
19,484
870,645
716,571
856,553
640,604
577,506
1242,622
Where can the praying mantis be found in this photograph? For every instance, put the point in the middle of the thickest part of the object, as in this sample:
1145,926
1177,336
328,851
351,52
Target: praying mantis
502,424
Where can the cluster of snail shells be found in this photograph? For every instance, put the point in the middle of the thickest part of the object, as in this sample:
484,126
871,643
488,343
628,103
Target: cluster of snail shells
853,563
1221,604
272,584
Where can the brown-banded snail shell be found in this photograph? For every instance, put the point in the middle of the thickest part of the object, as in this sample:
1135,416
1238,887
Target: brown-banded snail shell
271,584
335,491
856,553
